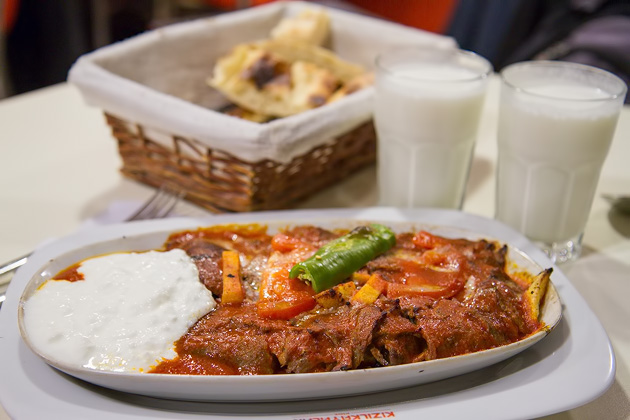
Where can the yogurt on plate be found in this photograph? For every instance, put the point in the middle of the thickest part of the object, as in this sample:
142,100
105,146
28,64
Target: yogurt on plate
124,316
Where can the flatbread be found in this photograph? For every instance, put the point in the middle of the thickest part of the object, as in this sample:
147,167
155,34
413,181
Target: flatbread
311,26
289,73
281,78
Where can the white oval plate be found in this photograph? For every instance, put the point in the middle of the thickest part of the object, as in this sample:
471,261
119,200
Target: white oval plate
143,236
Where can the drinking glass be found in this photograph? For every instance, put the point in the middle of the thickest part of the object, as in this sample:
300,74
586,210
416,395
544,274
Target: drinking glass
556,124
427,107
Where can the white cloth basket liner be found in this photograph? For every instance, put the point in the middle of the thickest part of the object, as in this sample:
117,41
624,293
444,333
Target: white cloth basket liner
158,79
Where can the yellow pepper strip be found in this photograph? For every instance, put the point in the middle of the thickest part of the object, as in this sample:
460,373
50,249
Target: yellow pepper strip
347,290
371,290
336,296
233,292
360,277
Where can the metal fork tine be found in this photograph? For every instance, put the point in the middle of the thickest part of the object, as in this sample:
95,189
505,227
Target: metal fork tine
138,214
169,206
160,205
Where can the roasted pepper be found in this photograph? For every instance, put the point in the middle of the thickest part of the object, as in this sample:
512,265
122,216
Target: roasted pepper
233,292
338,259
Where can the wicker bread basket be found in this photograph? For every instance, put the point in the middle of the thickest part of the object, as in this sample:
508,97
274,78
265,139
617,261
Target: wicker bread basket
162,113
219,181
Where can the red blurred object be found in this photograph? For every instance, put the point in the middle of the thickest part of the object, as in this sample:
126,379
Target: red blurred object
430,15
10,14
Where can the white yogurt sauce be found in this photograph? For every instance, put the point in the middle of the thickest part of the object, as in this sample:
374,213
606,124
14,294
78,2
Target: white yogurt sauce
125,315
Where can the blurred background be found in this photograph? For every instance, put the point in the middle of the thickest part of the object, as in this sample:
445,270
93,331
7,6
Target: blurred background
40,39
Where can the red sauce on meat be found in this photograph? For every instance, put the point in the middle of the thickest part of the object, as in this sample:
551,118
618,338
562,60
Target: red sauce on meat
444,297
247,239
194,365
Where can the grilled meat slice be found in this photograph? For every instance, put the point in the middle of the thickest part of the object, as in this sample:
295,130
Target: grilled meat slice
313,235
234,336
452,328
334,339
207,258
397,338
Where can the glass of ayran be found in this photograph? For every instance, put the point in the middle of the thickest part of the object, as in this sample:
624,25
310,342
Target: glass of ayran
556,124
427,107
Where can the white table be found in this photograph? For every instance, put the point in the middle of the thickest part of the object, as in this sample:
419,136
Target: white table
59,168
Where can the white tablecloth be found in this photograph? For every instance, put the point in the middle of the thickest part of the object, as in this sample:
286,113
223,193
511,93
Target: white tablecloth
60,168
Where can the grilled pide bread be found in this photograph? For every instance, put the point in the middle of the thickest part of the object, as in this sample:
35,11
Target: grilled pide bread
281,78
310,26
287,74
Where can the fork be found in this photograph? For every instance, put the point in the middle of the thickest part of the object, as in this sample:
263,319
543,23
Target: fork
158,206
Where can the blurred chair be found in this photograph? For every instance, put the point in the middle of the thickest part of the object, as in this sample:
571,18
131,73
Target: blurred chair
593,32
43,41
486,27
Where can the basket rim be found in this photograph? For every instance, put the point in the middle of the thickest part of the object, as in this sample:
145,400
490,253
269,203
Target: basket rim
279,140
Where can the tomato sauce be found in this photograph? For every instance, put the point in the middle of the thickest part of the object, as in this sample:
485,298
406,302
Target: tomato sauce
70,274
442,297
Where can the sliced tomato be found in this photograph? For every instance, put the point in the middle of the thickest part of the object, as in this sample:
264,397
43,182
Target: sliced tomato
417,278
442,259
426,240
280,296
396,290
287,308
285,243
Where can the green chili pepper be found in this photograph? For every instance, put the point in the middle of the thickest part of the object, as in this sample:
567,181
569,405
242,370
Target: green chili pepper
341,257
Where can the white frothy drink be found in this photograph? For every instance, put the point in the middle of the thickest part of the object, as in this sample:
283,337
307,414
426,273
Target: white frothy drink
426,116
554,135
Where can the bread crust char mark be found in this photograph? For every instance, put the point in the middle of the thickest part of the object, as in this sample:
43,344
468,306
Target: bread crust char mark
287,74
281,79
311,26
